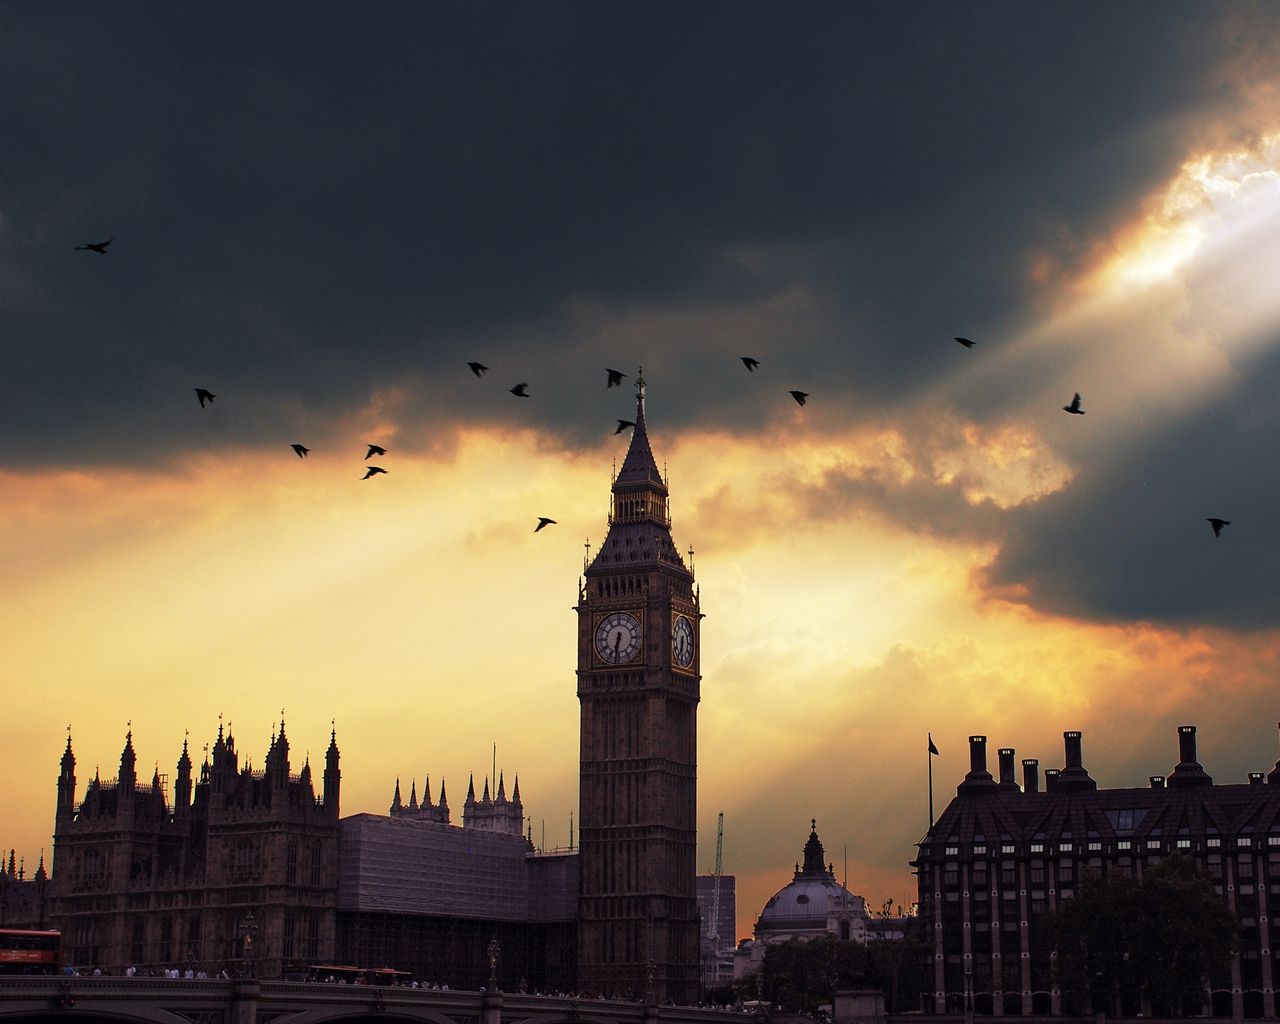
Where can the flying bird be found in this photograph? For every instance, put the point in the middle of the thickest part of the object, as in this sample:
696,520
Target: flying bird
98,247
543,521
1217,525
521,390
300,449
478,368
615,378
375,449
749,363
623,424
966,342
1074,407
204,396
799,396
372,471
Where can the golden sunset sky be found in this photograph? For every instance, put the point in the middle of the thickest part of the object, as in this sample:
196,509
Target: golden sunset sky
929,545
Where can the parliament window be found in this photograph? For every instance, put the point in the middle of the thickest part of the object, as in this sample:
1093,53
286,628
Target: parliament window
313,937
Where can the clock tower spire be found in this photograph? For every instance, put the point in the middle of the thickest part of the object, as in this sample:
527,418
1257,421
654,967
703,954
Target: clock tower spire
638,688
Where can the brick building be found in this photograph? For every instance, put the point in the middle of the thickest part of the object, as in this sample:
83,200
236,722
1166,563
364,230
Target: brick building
1001,855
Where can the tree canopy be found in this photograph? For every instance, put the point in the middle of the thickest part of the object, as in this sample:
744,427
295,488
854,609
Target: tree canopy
1157,938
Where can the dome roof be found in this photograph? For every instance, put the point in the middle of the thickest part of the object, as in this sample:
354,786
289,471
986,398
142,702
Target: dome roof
811,899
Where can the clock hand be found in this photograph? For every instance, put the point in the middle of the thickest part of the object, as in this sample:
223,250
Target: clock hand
617,643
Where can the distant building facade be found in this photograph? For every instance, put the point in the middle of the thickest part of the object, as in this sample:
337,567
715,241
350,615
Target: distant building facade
427,897
717,903
1001,855
137,882
812,905
24,902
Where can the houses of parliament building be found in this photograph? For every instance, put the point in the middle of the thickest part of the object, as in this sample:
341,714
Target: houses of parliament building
144,878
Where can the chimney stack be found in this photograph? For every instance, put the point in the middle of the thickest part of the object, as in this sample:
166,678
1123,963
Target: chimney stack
977,754
1255,778
1073,776
1188,771
1157,782
1051,776
979,779
1030,775
1071,741
1007,771
1186,743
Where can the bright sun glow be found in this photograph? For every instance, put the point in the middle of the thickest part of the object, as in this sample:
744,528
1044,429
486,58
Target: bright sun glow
1216,198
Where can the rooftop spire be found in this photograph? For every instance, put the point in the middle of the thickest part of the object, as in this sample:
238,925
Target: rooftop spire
639,466
813,852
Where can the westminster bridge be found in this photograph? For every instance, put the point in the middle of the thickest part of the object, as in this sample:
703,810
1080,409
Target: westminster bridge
98,1000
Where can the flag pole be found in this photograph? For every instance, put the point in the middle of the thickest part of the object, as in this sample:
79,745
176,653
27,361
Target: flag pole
932,748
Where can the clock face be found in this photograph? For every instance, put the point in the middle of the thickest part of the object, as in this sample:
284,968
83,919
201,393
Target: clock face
618,638
682,642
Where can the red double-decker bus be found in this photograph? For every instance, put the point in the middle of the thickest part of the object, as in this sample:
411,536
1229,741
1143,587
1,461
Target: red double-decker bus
29,952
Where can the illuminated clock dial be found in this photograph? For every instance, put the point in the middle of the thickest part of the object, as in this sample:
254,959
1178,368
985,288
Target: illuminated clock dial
682,642
618,638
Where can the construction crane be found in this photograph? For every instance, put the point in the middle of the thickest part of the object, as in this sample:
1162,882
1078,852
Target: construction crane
714,933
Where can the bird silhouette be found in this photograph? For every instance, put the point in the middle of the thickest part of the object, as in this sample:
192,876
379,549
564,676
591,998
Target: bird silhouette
375,449
521,390
966,342
623,424
1074,407
543,521
615,378
98,247
749,363
1217,525
478,368
799,396
372,471
301,450
204,396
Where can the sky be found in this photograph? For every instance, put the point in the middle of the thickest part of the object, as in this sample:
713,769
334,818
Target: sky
321,214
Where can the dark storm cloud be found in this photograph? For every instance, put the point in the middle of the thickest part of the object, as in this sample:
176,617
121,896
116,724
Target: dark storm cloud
311,203
1131,542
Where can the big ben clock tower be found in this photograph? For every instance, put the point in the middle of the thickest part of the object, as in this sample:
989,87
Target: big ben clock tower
638,661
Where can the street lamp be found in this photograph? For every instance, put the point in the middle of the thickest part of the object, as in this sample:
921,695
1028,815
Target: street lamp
494,951
248,928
